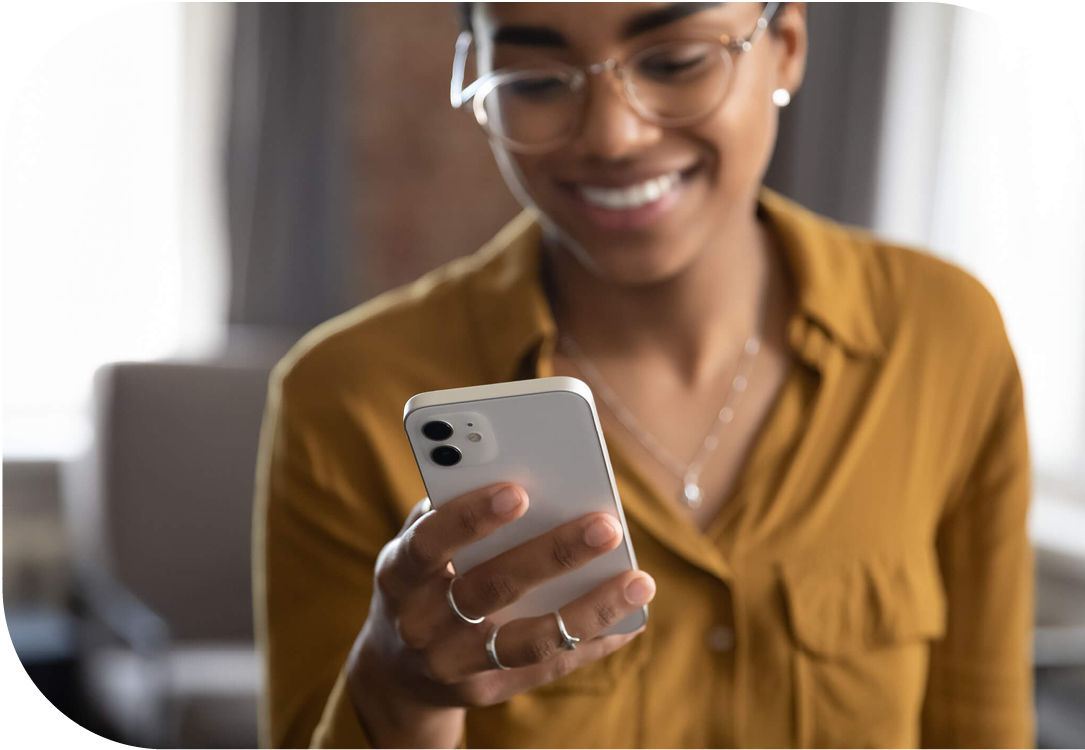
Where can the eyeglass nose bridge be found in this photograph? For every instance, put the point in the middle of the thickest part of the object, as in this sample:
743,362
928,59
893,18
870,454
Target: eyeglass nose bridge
609,64
621,83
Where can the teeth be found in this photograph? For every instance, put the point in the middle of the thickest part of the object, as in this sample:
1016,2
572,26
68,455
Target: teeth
634,196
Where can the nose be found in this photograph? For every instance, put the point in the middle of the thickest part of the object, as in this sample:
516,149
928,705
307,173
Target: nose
612,130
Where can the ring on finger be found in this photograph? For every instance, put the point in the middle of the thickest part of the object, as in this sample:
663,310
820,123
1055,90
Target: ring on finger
452,604
568,642
491,650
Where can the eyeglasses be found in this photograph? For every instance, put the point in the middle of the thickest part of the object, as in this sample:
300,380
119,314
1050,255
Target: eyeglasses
539,108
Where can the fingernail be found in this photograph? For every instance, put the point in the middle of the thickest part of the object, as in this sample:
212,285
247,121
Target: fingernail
506,501
600,531
640,591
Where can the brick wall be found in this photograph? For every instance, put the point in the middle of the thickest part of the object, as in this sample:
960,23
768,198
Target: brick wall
427,187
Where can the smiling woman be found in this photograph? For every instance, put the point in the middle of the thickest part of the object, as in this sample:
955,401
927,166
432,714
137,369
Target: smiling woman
818,436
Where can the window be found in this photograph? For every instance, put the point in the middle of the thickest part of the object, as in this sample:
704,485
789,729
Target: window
984,163
111,244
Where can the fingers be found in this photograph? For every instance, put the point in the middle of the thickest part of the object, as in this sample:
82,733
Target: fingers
499,582
421,508
526,678
535,640
426,546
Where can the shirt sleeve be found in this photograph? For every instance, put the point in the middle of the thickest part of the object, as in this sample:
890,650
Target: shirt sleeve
321,516
979,691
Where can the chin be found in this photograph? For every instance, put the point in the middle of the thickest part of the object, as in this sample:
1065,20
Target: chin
636,264
645,243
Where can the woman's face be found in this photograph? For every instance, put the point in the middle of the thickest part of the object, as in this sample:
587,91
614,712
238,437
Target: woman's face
707,172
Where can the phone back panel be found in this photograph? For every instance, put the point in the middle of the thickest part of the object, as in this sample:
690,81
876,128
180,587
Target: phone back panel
550,443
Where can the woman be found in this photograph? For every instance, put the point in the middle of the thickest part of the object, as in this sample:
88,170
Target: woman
818,437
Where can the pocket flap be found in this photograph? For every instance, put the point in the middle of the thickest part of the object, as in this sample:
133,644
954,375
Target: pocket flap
865,601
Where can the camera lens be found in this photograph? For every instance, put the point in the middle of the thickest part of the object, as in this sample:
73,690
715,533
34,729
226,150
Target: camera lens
446,455
437,430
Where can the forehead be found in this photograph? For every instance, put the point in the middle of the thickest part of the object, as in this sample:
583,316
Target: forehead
588,22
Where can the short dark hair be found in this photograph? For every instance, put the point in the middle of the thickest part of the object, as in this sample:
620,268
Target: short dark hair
466,9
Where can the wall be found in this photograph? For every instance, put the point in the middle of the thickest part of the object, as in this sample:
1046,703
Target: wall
427,189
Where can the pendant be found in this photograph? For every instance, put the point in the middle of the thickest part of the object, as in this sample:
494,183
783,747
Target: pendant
692,494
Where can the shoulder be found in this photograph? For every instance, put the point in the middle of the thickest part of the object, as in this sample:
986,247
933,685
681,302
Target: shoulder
400,328
946,341
928,305
409,337
886,295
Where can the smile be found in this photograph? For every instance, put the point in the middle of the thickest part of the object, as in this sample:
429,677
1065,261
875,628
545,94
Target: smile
632,196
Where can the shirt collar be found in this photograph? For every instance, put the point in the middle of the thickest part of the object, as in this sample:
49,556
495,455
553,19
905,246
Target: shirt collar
829,262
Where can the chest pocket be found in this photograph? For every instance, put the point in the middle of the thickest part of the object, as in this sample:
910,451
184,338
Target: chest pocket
862,626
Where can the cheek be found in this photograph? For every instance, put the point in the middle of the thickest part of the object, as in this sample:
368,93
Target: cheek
523,174
531,170
741,134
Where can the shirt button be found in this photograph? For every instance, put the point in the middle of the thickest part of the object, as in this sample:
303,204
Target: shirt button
721,638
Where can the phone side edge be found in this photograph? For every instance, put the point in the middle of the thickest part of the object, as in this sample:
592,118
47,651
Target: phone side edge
581,389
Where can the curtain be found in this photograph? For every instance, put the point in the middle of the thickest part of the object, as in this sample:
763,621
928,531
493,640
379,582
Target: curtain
829,134
981,164
287,167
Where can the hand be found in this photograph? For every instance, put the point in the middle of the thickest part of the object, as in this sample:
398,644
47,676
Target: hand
415,665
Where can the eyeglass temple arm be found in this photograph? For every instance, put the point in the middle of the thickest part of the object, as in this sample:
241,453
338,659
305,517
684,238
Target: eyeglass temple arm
740,44
763,21
457,93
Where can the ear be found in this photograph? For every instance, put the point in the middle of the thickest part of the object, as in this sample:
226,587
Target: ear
789,43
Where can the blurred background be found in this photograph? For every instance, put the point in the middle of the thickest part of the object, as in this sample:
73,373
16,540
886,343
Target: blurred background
186,189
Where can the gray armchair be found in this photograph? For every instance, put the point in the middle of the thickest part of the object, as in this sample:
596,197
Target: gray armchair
159,513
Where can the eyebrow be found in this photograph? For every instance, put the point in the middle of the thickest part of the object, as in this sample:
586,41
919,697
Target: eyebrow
663,16
543,36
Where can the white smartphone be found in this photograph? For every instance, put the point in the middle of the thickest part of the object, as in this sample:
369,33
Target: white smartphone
544,434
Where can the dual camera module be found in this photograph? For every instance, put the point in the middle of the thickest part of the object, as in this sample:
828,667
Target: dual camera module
445,455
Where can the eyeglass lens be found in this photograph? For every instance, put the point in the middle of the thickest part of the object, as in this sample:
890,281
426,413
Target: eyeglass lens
668,84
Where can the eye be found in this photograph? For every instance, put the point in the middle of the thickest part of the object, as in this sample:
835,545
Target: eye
677,63
537,88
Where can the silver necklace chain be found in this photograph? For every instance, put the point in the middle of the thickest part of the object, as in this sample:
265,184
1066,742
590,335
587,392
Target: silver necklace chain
689,473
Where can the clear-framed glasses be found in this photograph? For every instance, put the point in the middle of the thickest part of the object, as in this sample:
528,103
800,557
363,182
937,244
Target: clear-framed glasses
538,108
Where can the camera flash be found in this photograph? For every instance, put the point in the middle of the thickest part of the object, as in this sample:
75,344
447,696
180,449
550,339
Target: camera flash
474,437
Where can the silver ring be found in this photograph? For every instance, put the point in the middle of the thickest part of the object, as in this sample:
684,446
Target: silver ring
567,641
491,650
452,603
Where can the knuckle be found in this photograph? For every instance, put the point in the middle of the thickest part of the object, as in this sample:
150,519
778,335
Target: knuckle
470,520
540,649
418,551
560,668
384,579
497,589
563,555
479,694
605,614
437,669
410,634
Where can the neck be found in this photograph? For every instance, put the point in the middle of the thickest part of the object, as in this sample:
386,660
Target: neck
692,323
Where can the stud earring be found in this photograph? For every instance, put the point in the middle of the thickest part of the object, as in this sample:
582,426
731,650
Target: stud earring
781,97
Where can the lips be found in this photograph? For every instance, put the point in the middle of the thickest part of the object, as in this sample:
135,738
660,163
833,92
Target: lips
629,201
633,196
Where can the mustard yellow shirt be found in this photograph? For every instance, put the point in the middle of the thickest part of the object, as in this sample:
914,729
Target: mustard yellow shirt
870,584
